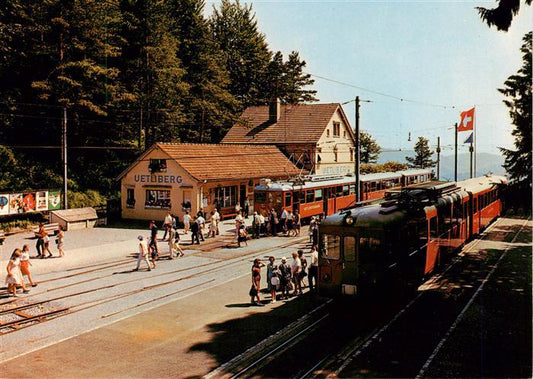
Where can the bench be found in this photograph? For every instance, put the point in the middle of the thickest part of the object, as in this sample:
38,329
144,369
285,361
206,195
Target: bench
2,237
225,216
51,229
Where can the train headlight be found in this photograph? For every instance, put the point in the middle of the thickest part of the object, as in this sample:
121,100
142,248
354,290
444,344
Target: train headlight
349,220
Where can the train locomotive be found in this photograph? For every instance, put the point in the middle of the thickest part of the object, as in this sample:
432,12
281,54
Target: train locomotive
406,236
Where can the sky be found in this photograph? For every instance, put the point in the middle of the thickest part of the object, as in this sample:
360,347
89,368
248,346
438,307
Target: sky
419,63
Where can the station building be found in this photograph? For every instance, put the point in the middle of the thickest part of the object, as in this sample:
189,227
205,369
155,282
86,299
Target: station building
180,177
316,137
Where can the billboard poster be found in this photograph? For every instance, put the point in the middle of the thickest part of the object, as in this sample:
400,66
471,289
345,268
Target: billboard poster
54,200
29,202
4,204
16,203
41,200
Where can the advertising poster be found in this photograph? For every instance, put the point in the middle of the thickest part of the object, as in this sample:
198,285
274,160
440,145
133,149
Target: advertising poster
16,203
54,200
29,202
41,199
4,204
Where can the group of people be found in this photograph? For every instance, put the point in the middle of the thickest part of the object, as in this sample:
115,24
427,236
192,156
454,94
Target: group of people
198,225
148,249
288,223
17,268
43,242
286,278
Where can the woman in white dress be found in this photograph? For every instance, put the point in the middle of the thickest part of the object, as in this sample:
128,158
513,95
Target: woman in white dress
14,277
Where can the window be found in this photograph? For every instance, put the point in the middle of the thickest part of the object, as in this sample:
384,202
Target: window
339,191
318,195
345,190
130,198
349,249
288,199
335,154
157,165
310,196
259,197
352,189
351,155
226,197
331,246
336,129
157,199
327,132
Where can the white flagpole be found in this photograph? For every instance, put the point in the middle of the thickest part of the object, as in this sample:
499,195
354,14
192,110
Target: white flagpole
475,147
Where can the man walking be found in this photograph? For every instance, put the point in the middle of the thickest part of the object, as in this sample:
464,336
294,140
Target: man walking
167,224
153,239
143,254
194,230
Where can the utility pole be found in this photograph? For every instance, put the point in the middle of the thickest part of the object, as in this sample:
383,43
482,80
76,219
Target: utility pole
471,159
455,169
438,158
64,154
357,153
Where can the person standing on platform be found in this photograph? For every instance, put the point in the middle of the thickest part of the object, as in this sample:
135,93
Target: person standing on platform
200,220
216,215
296,268
167,224
153,238
25,264
262,225
246,208
297,223
59,240
256,225
172,252
283,221
194,231
303,272
46,247
274,221
313,270
289,224
284,278
186,222
212,226
40,241
256,282
143,254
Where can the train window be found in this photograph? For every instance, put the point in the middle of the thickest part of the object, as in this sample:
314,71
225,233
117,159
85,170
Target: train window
331,246
352,189
433,227
369,245
345,190
310,196
349,249
457,211
318,194
339,191
288,199
445,218
373,186
259,197
298,197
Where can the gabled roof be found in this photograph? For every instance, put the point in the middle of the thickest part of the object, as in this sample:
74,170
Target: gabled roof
300,123
76,214
212,162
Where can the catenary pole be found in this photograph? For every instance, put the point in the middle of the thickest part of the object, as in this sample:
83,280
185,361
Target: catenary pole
455,160
438,158
471,159
64,143
357,152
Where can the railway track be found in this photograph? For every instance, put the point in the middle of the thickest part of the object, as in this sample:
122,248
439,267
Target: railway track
17,319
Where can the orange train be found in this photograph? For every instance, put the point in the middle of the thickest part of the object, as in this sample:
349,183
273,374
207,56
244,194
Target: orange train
325,195
406,236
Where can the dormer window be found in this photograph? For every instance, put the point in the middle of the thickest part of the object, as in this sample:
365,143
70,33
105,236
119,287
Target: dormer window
336,129
327,132
157,165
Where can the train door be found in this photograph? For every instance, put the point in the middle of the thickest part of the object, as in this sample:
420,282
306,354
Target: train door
325,199
349,266
432,252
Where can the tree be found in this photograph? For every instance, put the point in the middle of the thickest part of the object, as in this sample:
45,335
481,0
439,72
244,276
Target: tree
518,92
423,155
370,149
502,15
246,52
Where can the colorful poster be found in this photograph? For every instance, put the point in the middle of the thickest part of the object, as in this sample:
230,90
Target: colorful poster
54,200
4,204
16,203
41,199
29,202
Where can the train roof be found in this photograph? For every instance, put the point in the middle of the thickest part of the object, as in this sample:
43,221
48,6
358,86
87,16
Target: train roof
369,216
482,183
314,181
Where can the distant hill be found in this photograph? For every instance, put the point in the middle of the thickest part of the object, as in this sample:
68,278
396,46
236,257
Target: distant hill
486,163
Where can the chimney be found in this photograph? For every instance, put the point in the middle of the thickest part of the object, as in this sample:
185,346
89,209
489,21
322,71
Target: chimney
274,110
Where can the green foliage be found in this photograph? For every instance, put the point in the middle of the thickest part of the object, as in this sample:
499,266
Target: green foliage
129,73
518,92
370,149
391,166
89,198
423,155
502,15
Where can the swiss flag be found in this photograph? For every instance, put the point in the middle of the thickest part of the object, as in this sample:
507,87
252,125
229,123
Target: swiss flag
467,120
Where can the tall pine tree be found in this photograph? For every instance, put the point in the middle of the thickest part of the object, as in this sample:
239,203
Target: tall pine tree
422,159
